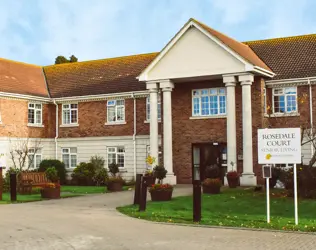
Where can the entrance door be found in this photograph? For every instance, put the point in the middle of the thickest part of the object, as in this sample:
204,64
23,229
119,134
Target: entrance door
206,154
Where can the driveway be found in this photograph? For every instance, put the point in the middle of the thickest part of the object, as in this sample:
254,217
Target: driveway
91,222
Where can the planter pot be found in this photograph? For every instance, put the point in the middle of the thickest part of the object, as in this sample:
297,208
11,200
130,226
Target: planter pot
211,189
150,180
115,186
233,182
159,195
50,193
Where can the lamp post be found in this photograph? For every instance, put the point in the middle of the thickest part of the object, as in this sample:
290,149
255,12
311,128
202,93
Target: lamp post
196,195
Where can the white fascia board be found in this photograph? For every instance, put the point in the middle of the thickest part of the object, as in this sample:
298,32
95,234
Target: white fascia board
144,75
291,80
87,98
263,71
25,97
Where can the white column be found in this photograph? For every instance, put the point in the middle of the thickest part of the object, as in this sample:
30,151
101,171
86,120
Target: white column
248,178
230,83
153,95
167,87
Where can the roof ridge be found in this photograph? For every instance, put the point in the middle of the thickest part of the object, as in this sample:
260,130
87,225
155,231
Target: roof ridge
103,59
278,38
18,62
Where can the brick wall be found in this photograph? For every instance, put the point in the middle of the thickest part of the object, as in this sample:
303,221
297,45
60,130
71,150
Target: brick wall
187,131
92,117
14,114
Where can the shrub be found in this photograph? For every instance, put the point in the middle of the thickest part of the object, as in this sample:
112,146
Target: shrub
232,174
100,176
306,181
114,169
83,174
160,187
97,162
58,165
160,173
51,174
114,179
209,182
212,172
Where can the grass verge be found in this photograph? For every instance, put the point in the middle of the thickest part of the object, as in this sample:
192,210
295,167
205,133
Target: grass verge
233,208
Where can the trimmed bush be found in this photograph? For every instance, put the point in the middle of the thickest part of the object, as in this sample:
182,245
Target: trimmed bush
212,172
306,181
51,174
58,165
83,174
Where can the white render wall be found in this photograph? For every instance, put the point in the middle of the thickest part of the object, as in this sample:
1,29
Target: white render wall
90,146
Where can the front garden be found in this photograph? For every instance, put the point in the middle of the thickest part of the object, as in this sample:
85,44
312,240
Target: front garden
233,208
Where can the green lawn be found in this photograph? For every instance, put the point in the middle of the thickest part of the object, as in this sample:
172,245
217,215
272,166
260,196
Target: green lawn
233,208
66,192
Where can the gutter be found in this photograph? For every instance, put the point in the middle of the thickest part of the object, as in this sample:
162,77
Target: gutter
311,114
134,135
57,132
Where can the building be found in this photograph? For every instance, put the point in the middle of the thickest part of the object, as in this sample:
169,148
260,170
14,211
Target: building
197,102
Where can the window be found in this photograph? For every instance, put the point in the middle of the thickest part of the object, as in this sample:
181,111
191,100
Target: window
116,155
69,157
209,102
70,114
35,113
148,108
284,100
35,157
116,111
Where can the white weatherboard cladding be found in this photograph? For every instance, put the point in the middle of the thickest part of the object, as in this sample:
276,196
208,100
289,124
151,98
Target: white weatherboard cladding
90,146
195,54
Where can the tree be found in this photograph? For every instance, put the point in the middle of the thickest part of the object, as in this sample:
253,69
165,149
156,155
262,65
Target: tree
73,59
62,59
20,154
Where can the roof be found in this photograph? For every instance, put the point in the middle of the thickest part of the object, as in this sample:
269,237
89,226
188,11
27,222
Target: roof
96,77
241,49
22,78
288,57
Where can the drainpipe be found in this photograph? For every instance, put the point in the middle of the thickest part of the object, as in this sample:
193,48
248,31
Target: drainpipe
134,135
56,137
311,113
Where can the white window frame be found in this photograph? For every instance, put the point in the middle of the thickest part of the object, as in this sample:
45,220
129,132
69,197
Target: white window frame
285,100
32,106
115,151
148,108
200,95
64,108
113,103
67,151
265,101
38,153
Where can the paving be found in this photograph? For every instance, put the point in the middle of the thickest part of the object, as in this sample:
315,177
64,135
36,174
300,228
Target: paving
91,222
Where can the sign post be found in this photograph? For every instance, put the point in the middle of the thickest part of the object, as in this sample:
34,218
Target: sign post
266,173
280,146
295,195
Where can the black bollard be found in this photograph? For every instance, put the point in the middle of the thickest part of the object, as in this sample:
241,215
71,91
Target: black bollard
197,201
13,186
137,189
143,194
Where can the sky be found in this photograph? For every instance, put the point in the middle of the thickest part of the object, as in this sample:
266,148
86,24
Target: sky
37,31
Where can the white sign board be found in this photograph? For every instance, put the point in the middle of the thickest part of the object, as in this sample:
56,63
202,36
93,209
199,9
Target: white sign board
279,146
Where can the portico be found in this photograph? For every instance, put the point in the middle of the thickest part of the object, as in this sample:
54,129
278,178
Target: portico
198,54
